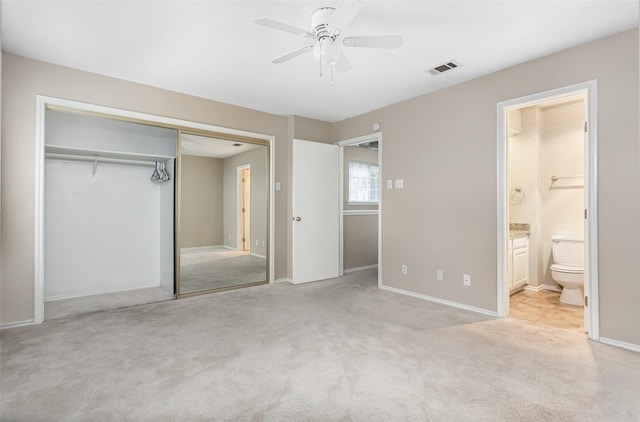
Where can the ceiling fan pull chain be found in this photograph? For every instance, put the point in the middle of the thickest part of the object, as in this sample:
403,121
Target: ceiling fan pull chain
320,49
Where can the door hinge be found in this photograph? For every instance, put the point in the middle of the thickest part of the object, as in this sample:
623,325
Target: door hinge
586,126
585,213
586,301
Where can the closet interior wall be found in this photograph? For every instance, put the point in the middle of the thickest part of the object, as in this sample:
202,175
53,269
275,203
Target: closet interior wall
108,227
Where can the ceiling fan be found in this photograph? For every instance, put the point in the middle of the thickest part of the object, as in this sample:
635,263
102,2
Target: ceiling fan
327,24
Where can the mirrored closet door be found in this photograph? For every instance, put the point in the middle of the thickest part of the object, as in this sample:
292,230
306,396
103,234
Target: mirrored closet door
223,203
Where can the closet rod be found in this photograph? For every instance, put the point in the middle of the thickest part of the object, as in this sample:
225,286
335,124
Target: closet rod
94,159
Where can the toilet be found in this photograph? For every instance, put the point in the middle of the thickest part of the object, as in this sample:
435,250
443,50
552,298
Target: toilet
568,268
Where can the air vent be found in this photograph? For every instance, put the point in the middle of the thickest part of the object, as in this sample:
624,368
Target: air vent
444,67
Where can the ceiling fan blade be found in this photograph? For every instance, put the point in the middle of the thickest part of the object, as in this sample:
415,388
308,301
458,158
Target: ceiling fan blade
283,27
346,11
380,41
293,54
342,65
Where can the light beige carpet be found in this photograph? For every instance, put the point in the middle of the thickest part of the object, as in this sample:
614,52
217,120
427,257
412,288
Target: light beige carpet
218,267
336,350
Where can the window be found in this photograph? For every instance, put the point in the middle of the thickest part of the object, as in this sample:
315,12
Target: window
363,182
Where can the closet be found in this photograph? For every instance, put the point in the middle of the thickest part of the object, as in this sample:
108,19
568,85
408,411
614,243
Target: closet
109,191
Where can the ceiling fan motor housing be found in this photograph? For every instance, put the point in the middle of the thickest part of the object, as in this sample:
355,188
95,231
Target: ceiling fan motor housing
320,24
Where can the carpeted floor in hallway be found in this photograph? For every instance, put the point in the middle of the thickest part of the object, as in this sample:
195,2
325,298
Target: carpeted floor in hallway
334,350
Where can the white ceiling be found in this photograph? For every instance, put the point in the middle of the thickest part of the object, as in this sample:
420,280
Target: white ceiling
204,146
213,49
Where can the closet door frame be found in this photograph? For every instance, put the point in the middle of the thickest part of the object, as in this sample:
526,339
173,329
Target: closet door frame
44,102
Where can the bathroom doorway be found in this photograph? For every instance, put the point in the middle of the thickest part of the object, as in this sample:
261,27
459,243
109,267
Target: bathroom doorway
546,178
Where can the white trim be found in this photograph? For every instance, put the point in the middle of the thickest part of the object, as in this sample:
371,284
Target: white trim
360,212
100,292
622,344
441,301
341,222
370,203
283,280
377,136
38,270
41,105
240,224
352,141
195,248
552,288
534,288
366,267
17,324
592,322
257,256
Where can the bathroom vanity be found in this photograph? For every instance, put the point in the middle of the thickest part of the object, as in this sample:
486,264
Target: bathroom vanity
518,260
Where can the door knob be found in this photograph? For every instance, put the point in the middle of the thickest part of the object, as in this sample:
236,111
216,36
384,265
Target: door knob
297,219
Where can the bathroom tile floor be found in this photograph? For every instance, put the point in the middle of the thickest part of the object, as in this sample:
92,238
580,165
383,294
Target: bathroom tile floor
544,307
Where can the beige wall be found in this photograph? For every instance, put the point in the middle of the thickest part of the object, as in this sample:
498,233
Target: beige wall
201,202
444,146
22,80
312,130
360,237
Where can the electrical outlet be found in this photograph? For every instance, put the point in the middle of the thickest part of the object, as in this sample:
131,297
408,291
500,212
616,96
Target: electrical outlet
263,243
466,280
399,183
439,275
404,269
257,244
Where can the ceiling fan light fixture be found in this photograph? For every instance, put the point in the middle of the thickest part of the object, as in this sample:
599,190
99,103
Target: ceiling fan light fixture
326,51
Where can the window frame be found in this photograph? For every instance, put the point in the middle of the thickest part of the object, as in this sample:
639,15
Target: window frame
360,202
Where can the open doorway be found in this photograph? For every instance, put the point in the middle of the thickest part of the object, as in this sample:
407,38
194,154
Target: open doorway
244,207
360,201
546,229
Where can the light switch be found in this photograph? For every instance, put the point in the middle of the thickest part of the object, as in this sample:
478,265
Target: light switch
278,186
399,183
389,184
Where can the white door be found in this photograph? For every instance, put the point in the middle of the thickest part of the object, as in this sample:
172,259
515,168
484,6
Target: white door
316,211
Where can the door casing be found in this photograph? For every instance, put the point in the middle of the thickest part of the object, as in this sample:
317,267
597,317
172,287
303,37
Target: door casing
588,88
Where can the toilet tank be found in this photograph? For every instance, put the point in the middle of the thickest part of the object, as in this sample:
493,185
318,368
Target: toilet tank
568,250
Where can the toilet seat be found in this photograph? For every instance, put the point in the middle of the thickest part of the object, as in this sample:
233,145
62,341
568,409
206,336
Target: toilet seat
571,269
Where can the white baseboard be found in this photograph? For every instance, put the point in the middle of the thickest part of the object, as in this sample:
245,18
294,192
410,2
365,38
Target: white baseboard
195,248
621,344
535,288
366,267
283,280
552,288
259,256
441,301
101,292
16,324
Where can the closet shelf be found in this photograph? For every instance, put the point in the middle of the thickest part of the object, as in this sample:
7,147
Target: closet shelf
115,155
